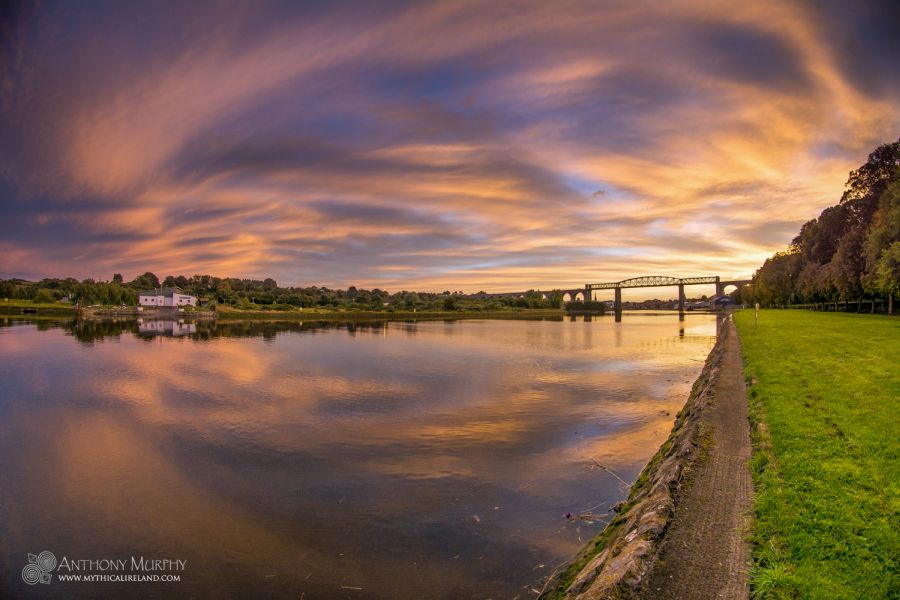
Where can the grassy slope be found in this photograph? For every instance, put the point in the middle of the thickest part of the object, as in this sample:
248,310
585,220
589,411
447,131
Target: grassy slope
826,405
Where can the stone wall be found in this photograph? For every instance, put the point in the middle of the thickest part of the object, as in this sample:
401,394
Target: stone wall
616,562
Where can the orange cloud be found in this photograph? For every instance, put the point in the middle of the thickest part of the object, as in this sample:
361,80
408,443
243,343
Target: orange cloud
452,144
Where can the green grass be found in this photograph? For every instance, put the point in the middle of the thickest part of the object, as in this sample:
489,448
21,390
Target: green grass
12,306
825,405
19,303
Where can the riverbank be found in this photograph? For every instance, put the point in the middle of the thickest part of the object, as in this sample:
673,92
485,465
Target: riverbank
825,409
678,491
28,308
358,315
226,313
704,553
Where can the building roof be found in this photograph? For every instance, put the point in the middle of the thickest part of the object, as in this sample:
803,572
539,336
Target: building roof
166,291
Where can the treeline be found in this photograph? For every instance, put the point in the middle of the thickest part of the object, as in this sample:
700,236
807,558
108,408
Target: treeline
70,289
851,252
263,294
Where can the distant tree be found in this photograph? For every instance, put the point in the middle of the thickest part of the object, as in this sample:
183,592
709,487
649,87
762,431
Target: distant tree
555,298
813,282
867,183
198,283
886,277
848,264
449,302
144,282
774,281
882,245
885,226
819,238
117,278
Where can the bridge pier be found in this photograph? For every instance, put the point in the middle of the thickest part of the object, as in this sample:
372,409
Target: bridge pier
681,302
617,307
587,293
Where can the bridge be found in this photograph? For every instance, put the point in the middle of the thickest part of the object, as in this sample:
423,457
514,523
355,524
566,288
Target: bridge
544,294
587,293
662,281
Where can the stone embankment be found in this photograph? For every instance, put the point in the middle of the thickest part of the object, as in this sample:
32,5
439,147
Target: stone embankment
677,535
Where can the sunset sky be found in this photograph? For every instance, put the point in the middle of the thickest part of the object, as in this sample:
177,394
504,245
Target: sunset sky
442,145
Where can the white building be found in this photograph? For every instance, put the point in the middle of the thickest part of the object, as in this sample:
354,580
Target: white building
163,297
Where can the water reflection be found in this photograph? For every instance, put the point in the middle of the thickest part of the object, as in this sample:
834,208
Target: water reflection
429,459
166,327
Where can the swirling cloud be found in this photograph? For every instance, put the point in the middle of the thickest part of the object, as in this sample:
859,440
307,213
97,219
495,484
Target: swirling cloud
443,145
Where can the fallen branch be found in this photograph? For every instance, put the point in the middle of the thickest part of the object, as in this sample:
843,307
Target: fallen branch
611,472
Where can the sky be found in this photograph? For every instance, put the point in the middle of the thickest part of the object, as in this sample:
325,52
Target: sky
431,145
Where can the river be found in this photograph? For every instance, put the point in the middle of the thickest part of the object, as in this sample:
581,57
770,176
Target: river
434,459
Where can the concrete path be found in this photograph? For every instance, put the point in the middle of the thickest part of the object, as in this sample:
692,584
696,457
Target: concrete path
704,555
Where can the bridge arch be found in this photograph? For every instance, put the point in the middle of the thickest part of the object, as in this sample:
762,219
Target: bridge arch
575,295
722,288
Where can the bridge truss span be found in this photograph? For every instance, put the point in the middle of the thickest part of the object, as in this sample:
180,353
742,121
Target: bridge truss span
699,280
586,293
653,281
661,281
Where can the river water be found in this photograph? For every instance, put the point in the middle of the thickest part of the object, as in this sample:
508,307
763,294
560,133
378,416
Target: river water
433,459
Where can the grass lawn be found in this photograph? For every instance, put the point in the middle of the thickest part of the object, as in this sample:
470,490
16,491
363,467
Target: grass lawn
14,306
17,303
825,403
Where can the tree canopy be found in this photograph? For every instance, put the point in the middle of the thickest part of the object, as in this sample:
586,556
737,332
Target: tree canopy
851,251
